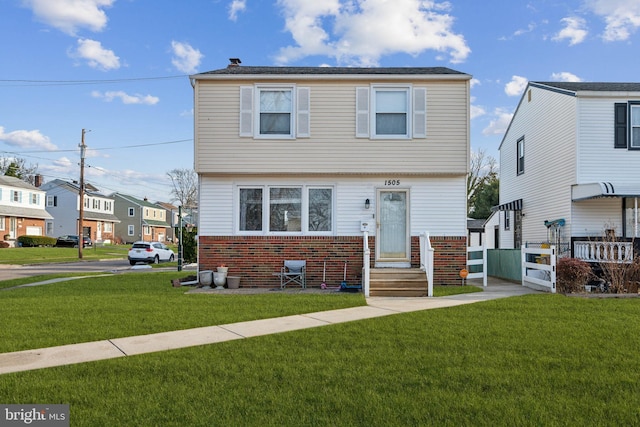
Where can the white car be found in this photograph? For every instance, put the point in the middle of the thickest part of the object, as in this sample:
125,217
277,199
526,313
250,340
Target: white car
150,252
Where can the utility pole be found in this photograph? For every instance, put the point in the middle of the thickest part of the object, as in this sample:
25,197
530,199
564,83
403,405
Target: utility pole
81,210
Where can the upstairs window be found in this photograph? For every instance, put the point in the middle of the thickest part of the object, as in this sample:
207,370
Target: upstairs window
520,156
635,126
627,125
391,112
274,111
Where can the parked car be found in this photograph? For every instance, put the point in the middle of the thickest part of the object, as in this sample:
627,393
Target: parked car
150,252
71,241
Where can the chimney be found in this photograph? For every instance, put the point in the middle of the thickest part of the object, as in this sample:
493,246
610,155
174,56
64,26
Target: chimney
37,180
234,62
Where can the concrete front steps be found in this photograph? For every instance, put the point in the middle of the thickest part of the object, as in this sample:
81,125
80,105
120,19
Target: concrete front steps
397,282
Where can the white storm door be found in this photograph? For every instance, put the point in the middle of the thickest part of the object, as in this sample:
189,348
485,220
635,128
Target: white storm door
392,227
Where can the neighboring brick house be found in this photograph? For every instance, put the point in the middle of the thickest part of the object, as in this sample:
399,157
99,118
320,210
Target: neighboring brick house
62,202
139,220
22,209
293,162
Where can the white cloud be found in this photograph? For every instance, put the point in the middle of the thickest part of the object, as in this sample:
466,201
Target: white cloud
622,17
126,98
499,124
574,30
359,32
474,82
477,111
529,29
565,77
236,7
185,58
95,55
70,15
27,139
516,86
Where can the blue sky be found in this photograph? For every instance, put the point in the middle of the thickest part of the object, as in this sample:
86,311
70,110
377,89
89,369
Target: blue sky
119,68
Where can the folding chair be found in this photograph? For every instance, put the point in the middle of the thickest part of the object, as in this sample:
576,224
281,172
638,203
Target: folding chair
293,272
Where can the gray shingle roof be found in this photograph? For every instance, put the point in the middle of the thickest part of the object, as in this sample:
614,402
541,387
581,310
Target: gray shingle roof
242,70
593,86
16,182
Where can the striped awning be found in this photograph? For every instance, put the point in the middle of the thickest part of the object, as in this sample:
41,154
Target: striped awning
603,189
515,205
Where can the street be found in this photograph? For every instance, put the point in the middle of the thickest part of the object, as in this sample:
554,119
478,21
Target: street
117,265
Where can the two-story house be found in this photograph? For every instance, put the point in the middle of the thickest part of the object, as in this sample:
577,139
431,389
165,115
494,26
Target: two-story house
569,165
63,203
171,215
22,209
295,162
140,220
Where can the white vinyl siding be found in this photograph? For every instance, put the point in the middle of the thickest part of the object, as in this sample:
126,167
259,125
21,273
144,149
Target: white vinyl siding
332,146
548,125
598,160
438,205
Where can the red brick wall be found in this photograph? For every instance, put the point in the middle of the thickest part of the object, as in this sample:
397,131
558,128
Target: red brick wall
256,258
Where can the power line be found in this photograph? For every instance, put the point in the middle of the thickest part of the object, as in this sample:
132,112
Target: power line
98,149
26,82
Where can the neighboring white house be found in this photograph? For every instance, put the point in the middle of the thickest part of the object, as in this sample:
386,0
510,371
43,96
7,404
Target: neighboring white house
62,202
295,162
22,209
569,165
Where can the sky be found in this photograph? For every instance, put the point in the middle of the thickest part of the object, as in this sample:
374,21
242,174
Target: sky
119,68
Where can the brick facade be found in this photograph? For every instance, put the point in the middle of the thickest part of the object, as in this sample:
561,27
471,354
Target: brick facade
256,258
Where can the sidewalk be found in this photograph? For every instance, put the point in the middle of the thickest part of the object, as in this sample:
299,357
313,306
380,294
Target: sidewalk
129,346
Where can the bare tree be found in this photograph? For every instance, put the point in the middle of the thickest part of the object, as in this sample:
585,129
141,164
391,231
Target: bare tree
483,174
185,186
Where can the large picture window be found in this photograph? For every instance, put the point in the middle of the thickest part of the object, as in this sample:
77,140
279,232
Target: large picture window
285,205
286,209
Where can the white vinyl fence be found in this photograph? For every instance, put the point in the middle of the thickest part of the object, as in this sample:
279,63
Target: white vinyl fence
539,268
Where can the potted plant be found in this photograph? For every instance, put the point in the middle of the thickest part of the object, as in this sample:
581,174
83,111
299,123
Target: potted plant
223,269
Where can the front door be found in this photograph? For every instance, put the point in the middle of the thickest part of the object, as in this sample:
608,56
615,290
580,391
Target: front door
12,227
393,248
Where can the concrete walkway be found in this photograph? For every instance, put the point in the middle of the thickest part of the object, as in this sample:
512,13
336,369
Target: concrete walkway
129,346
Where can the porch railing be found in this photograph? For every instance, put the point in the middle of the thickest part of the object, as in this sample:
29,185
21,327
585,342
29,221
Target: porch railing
596,251
366,264
426,260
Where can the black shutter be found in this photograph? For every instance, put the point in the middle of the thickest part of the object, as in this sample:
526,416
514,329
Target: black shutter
55,200
620,125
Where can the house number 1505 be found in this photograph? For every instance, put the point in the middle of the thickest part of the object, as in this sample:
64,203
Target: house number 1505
392,182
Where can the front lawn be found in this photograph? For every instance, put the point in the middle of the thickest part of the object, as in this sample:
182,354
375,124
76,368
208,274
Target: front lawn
40,255
535,360
122,305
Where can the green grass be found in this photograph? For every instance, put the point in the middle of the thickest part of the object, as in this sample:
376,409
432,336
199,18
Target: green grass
129,304
44,277
24,256
535,360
